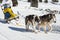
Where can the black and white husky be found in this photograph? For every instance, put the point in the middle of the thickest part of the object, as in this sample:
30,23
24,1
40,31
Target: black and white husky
31,20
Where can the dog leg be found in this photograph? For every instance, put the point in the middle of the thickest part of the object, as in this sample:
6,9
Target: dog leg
50,27
34,30
34,27
45,29
39,27
27,27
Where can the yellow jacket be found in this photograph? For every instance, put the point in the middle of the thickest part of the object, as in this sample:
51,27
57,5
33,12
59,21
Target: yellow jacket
10,12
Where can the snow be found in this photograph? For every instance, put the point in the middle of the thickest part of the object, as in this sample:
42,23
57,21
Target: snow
14,32
10,32
1,15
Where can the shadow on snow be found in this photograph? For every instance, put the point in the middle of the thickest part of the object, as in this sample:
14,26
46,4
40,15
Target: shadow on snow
55,29
19,29
2,21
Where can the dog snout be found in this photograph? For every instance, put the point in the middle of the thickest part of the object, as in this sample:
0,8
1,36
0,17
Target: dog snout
54,21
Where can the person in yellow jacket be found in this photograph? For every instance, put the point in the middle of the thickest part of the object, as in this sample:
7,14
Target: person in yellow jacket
8,13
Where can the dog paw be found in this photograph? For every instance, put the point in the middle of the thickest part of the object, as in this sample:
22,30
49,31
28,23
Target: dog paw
35,32
38,30
46,33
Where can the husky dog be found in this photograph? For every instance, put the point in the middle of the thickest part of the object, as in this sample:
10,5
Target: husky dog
31,19
47,20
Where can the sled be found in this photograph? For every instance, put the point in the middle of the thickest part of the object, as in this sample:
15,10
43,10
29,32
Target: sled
9,15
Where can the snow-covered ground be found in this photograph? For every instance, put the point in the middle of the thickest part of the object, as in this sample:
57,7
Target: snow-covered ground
14,32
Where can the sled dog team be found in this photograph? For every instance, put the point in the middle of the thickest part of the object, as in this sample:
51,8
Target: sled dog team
34,20
41,21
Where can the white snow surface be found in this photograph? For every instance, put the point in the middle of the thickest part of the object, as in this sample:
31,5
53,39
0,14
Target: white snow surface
13,32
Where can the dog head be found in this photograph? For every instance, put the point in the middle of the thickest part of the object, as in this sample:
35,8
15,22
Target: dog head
52,17
37,19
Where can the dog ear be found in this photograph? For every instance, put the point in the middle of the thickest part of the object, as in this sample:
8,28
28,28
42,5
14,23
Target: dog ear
54,15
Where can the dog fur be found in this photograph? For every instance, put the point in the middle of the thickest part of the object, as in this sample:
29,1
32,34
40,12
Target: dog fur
31,20
47,20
